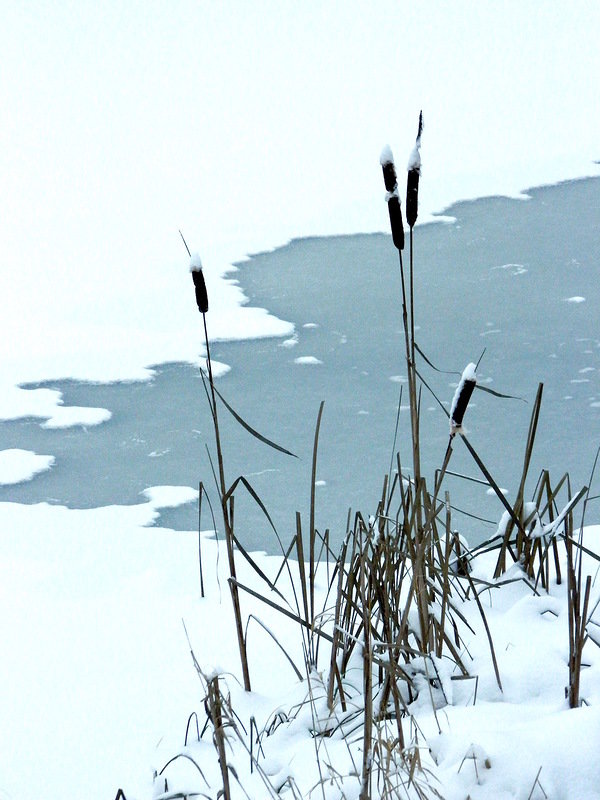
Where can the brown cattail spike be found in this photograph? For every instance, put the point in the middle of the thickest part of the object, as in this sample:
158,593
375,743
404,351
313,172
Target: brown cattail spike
461,398
199,284
412,183
393,201
389,176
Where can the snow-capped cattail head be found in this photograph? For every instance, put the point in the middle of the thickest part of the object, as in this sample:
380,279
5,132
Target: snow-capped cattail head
199,284
393,200
412,183
461,398
386,159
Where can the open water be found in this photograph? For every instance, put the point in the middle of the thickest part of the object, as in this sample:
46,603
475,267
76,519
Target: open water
516,277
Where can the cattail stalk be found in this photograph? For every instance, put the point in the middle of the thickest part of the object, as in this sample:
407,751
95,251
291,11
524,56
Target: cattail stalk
214,702
393,201
412,209
202,302
391,185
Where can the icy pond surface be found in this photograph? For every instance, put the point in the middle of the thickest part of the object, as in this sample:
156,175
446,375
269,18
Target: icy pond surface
516,277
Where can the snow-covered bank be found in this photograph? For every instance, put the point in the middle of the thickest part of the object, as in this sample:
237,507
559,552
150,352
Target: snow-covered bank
482,741
94,662
98,682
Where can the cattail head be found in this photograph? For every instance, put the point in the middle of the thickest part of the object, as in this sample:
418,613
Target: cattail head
386,159
199,284
461,398
412,183
393,200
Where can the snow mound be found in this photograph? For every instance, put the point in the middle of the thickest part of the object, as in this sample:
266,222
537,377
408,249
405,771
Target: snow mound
17,466
170,496
307,360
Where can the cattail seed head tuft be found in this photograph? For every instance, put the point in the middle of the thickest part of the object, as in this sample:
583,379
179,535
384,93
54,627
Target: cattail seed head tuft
199,284
412,183
391,184
461,398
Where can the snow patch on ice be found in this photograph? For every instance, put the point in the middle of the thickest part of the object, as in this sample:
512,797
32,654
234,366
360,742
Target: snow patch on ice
291,342
488,332
515,269
72,416
18,466
159,453
574,299
307,360
170,496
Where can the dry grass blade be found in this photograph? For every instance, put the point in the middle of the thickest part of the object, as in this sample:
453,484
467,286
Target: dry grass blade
487,630
250,429
516,515
313,483
275,639
282,610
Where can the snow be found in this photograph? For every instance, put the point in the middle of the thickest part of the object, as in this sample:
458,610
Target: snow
307,360
170,496
92,647
414,160
469,373
575,299
195,263
18,465
71,416
94,644
386,157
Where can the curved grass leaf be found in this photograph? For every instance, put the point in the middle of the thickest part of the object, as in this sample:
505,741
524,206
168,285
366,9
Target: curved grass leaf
250,429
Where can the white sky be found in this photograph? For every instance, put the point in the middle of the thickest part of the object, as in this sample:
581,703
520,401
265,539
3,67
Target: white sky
246,124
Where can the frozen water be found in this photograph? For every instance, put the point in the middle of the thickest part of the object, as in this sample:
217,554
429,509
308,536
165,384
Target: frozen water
158,429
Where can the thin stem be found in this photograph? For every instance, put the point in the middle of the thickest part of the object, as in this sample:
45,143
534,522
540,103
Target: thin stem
412,389
227,522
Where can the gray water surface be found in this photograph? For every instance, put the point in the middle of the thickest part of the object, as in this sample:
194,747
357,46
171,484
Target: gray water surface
500,278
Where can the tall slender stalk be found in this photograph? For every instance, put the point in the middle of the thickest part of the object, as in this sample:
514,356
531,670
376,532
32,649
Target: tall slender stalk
226,508
227,520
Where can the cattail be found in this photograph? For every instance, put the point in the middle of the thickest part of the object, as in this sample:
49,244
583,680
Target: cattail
199,284
393,200
461,398
412,183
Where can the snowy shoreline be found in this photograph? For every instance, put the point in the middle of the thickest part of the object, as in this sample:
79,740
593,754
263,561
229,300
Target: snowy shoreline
120,357
100,605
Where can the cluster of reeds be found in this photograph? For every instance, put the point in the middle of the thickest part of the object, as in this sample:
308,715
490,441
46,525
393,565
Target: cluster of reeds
393,610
